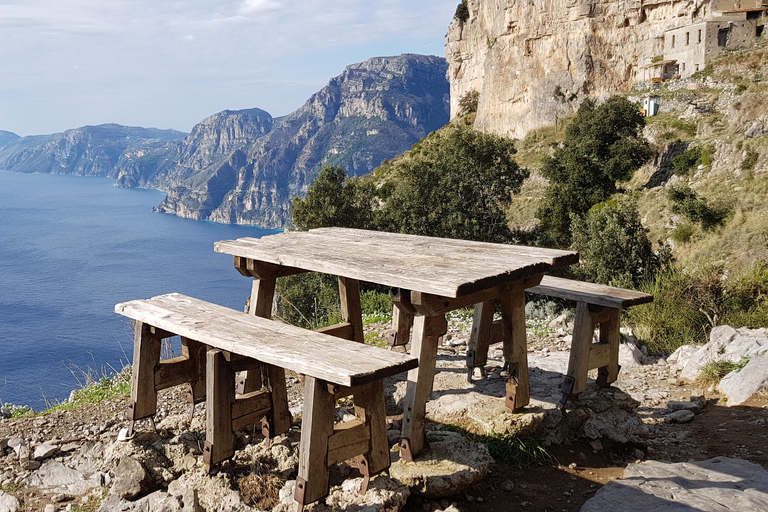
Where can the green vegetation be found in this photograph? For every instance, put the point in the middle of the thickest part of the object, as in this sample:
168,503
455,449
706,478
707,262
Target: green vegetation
468,102
614,245
516,451
602,145
687,161
695,208
712,373
750,160
462,11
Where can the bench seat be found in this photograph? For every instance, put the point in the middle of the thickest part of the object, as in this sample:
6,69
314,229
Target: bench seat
218,341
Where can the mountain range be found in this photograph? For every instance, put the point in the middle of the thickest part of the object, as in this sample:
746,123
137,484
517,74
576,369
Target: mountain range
244,166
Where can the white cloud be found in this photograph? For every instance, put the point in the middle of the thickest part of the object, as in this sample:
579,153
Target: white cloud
255,6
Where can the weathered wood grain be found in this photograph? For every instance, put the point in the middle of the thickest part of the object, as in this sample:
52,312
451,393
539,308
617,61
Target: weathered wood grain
285,346
590,293
445,267
316,429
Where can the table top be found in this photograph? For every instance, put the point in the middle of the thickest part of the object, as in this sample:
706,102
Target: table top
439,266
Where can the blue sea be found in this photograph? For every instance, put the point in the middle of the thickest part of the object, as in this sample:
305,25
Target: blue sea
70,249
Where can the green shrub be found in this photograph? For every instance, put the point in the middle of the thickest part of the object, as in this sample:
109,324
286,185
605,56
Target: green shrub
695,208
687,161
750,160
468,102
706,155
308,300
462,11
682,233
613,245
603,145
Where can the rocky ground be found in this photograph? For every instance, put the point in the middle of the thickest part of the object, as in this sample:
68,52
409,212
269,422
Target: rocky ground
71,459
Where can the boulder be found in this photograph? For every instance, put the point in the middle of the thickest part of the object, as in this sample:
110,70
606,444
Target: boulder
629,355
45,450
726,344
55,477
740,385
131,479
682,416
679,405
716,485
8,503
452,464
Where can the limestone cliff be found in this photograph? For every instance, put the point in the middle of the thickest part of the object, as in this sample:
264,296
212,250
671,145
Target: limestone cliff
87,151
373,111
532,60
7,137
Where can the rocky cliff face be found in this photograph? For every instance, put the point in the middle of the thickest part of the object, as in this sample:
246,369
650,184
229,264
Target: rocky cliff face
373,111
7,137
87,151
532,60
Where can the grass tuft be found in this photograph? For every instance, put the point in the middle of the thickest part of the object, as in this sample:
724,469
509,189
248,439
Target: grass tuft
516,451
712,373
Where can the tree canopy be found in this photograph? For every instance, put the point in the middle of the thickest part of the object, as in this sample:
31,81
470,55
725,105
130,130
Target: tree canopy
603,145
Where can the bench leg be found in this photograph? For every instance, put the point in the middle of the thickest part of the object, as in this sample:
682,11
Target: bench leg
351,309
426,332
578,365
220,395
146,357
316,428
262,296
280,421
195,352
371,409
480,337
402,321
610,335
515,349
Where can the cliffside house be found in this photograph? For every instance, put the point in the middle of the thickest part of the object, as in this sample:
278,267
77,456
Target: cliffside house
687,49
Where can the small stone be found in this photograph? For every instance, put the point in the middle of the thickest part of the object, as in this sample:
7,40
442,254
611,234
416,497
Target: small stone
680,417
508,486
596,445
679,405
45,450
479,499
50,508
639,454
8,503
470,498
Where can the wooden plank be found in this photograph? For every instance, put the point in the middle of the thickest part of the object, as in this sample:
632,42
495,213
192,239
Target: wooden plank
349,439
252,418
146,356
286,346
173,372
430,305
515,348
281,416
443,267
402,320
316,428
351,309
196,352
599,355
220,394
246,404
583,331
611,336
264,270
345,330
426,331
590,293
370,408
480,336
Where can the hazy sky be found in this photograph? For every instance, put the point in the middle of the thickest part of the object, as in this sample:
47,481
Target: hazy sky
169,64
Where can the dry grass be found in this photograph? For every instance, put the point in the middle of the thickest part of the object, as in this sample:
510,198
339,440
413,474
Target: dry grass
260,491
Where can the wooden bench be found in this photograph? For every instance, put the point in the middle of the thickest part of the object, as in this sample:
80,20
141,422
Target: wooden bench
233,341
596,304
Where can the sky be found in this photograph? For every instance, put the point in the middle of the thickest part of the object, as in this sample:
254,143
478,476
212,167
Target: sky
169,64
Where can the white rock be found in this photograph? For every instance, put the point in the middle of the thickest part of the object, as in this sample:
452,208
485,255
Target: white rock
629,355
727,344
716,485
45,450
8,503
50,508
740,385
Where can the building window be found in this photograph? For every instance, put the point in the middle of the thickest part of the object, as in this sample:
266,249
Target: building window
697,67
699,36
722,36
673,40
682,69
687,38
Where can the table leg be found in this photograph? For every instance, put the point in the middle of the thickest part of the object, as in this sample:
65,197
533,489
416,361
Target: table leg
578,365
426,332
262,295
515,349
220,395
480,337
351,309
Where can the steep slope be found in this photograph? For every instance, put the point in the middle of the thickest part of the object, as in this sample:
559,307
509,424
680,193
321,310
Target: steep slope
86,151
373,111
531,61
7,137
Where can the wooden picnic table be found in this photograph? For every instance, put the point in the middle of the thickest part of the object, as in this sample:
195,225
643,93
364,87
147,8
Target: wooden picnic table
428,277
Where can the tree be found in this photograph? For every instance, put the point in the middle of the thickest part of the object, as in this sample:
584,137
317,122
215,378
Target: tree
335,200
614,245
603,145
456,183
